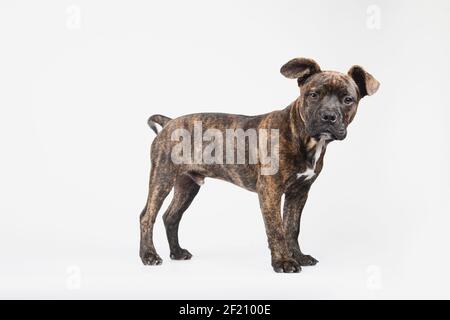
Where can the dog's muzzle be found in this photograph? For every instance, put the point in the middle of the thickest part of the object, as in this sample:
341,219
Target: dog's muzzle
336,131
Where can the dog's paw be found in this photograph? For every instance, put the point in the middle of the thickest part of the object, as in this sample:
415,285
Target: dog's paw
181,254
305,260
151,259
286,266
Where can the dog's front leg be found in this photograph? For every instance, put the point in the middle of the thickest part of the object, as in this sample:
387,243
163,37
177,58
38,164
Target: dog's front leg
294,201
270,203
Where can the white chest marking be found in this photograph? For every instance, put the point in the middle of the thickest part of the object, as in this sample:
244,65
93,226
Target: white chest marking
310,172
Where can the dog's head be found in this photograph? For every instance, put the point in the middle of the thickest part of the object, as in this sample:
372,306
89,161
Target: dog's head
328,99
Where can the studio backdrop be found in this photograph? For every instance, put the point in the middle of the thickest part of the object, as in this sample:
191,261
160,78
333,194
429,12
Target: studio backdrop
79,79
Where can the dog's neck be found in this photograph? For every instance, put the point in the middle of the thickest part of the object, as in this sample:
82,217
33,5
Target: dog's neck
298,128
310,147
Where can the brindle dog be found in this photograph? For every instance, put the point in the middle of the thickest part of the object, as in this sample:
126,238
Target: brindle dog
327,104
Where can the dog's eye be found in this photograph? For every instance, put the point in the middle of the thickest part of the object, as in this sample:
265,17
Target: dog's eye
348,100
313,95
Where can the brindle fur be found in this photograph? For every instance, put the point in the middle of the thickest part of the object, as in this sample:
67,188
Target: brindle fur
299,128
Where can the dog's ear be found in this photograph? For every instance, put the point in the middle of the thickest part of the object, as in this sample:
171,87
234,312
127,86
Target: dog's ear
300,69
366,83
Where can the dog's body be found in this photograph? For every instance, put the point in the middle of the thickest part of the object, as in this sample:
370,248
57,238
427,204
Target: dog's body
326,106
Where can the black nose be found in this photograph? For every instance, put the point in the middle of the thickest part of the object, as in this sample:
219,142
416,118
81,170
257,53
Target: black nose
328,116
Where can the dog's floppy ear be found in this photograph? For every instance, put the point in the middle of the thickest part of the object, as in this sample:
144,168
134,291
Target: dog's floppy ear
366,83
300,69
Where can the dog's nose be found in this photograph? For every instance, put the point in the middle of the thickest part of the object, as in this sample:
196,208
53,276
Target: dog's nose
328,116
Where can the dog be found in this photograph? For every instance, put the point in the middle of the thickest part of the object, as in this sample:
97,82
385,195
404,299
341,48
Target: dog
327,104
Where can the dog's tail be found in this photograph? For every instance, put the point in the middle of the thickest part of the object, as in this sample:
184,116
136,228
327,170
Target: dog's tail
159,119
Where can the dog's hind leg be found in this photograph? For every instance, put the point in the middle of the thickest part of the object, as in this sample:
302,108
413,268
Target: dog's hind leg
185,191
161,182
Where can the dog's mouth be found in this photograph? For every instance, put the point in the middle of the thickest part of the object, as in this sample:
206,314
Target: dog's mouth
330,135
328,132
327,136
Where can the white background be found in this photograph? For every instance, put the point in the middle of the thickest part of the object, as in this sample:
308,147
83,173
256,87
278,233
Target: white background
75,97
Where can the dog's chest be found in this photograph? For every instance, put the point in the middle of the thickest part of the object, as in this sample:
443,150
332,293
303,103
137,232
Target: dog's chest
314,152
